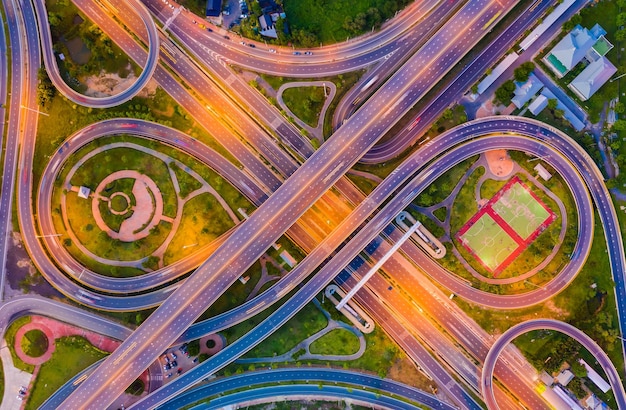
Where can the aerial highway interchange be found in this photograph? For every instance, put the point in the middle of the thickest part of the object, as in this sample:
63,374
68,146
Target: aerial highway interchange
300,191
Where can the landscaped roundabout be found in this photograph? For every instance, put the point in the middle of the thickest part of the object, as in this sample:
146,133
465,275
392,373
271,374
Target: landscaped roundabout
129,206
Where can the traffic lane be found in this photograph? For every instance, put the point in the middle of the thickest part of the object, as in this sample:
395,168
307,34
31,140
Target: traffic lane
390,149
540,324
328,376
256,240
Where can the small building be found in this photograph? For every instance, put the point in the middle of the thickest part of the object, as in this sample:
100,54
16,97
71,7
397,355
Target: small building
594,403
566,396
288,259
267,26
592,78
546,378
525,91
543,172
571,49
538,104
83,192
595,377
244,279
565,377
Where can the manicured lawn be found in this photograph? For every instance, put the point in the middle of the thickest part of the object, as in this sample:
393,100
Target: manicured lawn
343,83
305,323
336,342
203,221
34,343
305,102
186,183
214,219
235,296
9,336
71,355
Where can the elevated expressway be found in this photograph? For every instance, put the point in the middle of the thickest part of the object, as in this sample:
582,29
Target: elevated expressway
387,150
541,324
327,377
98,102
325,61
341,259
263,227
348,252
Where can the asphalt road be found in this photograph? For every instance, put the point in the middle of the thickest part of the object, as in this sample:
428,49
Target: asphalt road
539,324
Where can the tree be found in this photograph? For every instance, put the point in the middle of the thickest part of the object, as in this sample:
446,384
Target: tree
619,107
619,125
620,35
193,348
504,92
552,103
621,19
578,369
522,72
573,22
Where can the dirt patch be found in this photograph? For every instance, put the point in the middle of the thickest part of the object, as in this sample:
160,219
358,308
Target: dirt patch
500,164
404,371
560,313
107,84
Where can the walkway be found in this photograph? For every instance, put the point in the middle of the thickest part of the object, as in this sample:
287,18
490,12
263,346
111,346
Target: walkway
14,378
318,131
306,343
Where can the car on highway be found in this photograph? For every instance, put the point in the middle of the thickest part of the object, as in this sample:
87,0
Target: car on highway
308,53
271,50
252,45
296,53
414,123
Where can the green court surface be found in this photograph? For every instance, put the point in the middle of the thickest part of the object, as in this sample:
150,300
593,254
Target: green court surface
520,210
489,242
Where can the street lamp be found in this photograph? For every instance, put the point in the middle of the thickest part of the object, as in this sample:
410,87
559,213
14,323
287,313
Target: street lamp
537,286
48,236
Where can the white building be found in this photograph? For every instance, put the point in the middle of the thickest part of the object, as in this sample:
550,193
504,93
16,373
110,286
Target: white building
592,78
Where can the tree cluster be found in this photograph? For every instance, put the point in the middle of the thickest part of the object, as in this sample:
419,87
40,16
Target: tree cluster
522,72
45,89
363,21
504,93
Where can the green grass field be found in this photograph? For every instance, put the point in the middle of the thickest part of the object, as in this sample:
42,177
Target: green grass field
34,343
305,102
71,355
9,336
520,210
336,342
203,221
489,242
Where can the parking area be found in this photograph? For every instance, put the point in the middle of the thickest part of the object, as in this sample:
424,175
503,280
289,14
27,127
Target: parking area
233,12
176,361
